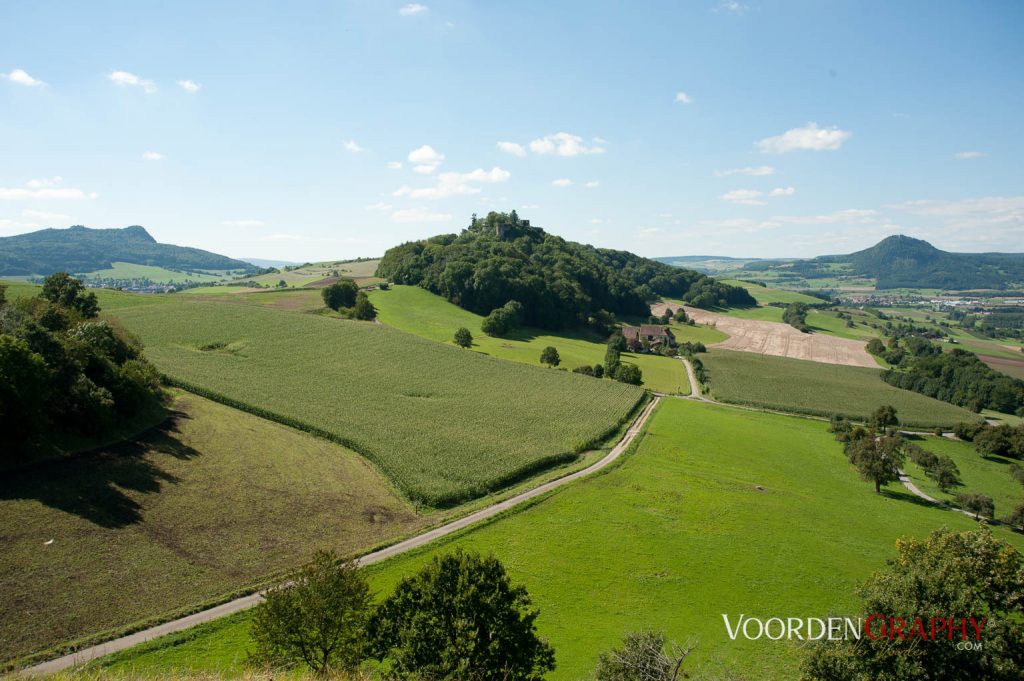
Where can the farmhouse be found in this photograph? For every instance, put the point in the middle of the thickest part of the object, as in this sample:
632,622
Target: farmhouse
652,333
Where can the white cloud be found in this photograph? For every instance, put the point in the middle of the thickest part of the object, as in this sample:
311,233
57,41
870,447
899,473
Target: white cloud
683,98
20,77
152,156
380,205
125,79
48,188
351,146
419,215
731,7
426,159
562,182
454,184
593,184
243,223
753,197
596,221
745,197
190,86
565,144
965,155
512,148
412,9
810,138
43,215
755,171
394,165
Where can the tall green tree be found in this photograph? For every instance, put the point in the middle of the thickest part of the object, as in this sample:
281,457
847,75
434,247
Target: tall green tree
549,356
317,620
949,574
877,458
460,617
364,309
62,289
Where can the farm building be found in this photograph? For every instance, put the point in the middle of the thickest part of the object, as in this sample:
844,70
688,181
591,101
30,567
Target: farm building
652,333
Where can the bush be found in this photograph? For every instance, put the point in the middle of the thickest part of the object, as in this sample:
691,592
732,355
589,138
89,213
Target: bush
629,373
503,319
463,338
317,620
364,309
549,356
340,294
641,657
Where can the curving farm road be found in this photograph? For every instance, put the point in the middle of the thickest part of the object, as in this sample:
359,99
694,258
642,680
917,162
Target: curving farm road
246,602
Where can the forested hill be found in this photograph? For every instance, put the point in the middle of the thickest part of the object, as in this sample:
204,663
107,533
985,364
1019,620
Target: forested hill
902,261
559,283
80,249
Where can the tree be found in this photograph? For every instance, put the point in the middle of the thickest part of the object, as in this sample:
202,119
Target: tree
363,308
977,503
24,388
641,657
282,284
319,619
340,294
952,574
629,373
62,289
463,338
945,473
883,418
598,371
549,356
877,458
795,315
3,295
503,319
460,617
1017,473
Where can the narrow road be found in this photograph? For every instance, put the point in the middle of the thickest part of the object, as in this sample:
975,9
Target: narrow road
246,602
695,389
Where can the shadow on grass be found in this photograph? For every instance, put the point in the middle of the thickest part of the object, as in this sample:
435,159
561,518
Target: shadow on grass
94,486
902,494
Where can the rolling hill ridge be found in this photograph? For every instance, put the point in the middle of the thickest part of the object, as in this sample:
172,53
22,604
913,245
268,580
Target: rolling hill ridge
80,249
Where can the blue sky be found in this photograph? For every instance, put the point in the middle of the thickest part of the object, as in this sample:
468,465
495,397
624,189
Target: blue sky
744,128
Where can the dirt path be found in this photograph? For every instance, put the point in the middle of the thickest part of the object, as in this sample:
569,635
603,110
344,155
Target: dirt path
419,540
696,392
781,340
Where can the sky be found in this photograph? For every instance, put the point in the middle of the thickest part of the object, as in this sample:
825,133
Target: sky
309,131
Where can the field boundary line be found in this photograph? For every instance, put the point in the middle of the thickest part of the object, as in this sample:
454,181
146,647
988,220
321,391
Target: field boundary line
251,600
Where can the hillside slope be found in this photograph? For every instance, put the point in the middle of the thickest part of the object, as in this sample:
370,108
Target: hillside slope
81,249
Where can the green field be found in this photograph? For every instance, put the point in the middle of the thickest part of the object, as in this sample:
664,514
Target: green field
308,275
819,389
418,311
445,424
213,500
160,275
765,295
988,475
718,510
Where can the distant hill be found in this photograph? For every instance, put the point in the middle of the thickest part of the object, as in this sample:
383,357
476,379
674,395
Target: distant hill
903,262
895,262
263,262
559,283
80,250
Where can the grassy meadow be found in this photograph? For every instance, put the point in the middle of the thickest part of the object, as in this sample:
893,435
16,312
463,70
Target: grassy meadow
716,510
209,502
819,389
127,270
443,423
765,295
418,311
986,474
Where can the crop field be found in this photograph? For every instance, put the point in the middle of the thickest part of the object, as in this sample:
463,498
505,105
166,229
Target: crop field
316,273
445,424
717,510
127,270
988,475
819,389
418,311
764,295
211,501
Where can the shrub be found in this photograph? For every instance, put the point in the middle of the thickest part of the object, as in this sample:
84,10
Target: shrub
629,373
340,294
503,319
549,356
463,338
